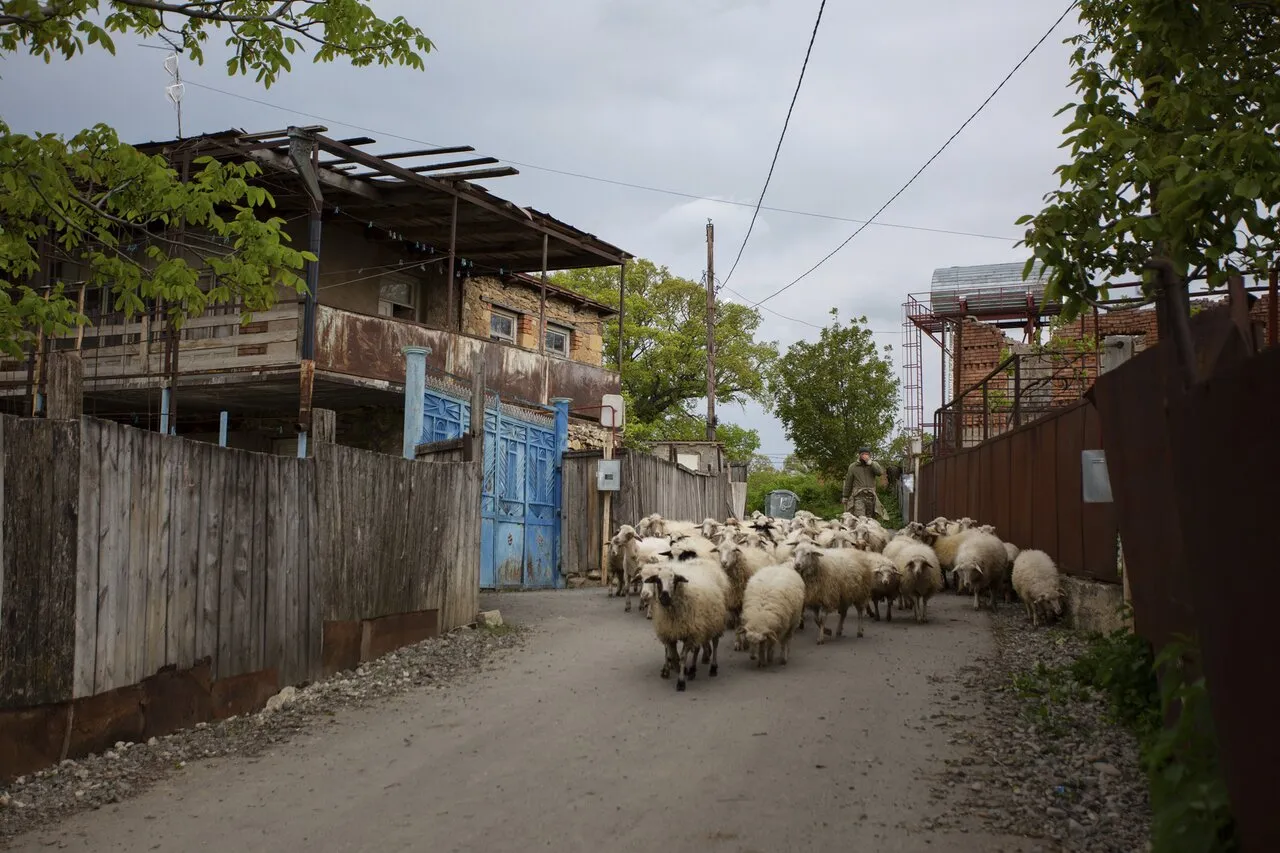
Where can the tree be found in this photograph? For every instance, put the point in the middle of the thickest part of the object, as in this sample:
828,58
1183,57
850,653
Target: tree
835,395
665,341
1174,160
113,212
760,464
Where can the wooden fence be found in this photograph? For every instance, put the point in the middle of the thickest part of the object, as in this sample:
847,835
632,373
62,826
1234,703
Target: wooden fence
126,551
1027,482
648,484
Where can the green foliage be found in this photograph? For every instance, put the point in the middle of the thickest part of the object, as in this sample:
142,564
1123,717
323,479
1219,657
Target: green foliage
816,495
1173,146
665,355
760,463
110,214
892,510
1190,807
795,465
835,394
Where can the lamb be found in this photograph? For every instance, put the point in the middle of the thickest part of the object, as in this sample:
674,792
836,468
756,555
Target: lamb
771,609
981,562
921,576
886,583
688,608
740,564
834,580
633,552
1036,580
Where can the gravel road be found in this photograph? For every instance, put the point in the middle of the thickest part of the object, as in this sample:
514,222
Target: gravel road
563,736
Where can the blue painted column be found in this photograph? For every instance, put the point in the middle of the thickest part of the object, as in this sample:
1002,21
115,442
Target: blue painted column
415,392
222,429
562,444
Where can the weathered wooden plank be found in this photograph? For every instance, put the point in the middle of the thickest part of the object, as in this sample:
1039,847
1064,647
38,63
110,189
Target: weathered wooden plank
227,662
210,487
292,626
242,598
184,553
91,465
258,509
38,628
113,558
133,655
273,509
316,558
160,459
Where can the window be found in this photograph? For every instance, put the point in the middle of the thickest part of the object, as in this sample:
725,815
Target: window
396,293
558,340
502,325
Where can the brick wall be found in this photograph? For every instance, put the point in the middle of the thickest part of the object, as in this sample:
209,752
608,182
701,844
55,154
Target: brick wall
980,347
1141,322
586,343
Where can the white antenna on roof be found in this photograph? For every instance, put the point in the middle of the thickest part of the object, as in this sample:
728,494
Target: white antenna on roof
175,89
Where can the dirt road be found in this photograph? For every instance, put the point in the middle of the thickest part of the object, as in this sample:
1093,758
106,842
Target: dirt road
574,743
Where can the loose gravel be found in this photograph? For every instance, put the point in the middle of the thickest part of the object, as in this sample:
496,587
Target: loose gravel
1045,761
97,780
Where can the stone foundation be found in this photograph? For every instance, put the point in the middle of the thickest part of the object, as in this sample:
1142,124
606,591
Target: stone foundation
584,435
1093,606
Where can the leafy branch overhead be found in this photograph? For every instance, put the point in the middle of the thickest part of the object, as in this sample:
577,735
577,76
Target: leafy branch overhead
1174,142
91,212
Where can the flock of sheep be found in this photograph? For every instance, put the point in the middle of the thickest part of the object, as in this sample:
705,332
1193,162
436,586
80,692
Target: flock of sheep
758,576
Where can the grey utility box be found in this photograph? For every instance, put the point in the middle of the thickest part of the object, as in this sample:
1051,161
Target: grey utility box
608,475
781,503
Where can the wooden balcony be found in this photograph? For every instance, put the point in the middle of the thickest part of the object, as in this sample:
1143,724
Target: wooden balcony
255,367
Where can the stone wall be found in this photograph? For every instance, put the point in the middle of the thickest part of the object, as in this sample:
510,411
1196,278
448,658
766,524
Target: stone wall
586,339
584,435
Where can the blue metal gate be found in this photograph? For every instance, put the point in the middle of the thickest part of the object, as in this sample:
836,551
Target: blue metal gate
520,499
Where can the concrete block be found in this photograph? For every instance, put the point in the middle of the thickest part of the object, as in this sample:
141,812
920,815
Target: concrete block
1092,605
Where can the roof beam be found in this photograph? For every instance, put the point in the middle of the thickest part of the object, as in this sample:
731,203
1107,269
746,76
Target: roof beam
326,176
504,208
432,167
477,174
401,155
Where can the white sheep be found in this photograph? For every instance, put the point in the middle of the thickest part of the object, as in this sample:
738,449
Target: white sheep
632,552
1036,580
921,577
835,580
688,608
946,546
771,609
740,563
886,584
870,536
983,565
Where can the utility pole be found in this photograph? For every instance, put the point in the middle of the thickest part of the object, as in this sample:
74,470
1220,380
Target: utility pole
711,331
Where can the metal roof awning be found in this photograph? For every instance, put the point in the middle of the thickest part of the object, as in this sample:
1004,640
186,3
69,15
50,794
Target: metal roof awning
415,193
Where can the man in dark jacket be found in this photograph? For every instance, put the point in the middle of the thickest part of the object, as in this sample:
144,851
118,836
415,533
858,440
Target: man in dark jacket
859,493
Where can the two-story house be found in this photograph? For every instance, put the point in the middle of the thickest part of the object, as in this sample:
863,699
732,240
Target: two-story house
411,252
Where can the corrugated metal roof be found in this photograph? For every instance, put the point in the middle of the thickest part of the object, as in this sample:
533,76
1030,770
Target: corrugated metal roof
986,276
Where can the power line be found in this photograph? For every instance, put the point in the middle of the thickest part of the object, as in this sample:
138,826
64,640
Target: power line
778,149
616,183
912,179
796,319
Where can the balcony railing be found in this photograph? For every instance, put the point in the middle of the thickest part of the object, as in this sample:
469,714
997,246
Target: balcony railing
1022,388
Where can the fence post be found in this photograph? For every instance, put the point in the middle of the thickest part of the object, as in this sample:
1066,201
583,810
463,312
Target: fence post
324,425
415,391
64,383
986,414
473,446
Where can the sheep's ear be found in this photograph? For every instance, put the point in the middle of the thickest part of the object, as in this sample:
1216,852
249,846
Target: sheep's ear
653,579
681,579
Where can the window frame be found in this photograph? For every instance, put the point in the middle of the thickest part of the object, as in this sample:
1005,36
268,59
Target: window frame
566,331
495,312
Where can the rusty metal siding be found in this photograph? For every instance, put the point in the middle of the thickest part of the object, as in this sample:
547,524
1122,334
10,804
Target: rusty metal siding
1237,408
1070,554
1098,522
1027,484
370,348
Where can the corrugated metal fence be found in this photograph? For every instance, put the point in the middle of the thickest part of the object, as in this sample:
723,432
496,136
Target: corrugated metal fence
125,551
649,485
1027,483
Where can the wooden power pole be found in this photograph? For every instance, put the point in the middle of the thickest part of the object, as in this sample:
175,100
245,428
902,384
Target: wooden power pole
711,331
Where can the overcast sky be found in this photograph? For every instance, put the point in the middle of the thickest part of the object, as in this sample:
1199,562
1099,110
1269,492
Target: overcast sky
687,97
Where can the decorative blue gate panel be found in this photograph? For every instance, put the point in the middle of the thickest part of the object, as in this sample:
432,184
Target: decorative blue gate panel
520,498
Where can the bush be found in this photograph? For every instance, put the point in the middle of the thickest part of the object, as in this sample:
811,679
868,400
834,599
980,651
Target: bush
822,498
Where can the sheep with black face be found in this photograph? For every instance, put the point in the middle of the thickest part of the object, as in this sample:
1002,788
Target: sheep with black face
688,613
